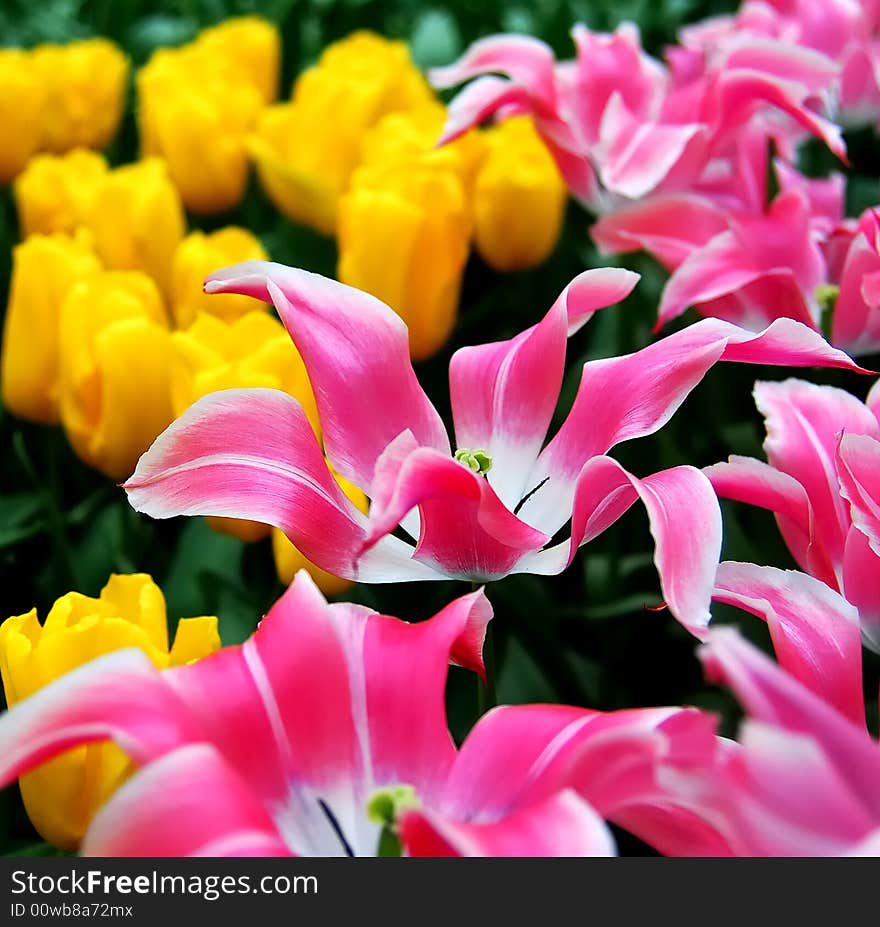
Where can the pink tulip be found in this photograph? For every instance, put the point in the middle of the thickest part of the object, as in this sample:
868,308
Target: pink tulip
806,779
252,453
821,481
622,125
292,742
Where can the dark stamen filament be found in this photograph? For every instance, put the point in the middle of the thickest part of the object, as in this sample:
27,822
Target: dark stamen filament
331,817
529,495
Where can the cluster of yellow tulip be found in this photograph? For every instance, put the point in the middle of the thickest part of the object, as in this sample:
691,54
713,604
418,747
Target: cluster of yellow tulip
62,795
59,97
404,213
107,330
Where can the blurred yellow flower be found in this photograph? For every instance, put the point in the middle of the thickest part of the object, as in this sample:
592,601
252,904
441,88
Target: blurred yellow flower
138,220
404,231
197,256
44,269
197,103
252,351
115,356
85,83
252,46
288,559
305,150
519,197
62,795
22,102
55,193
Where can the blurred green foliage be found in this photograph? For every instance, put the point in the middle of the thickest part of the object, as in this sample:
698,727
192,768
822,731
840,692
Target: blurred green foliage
587,637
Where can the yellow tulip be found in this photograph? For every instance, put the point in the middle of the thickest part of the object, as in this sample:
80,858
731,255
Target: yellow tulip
252,351
86,83
519,198
44,269
22,104
306,150
404,231
198,255
138,220
62,795
115,359
195,110
288,559
252,46
411,135
55,193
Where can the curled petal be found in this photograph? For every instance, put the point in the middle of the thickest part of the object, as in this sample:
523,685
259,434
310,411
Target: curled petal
858,458
188,803
815,631
356,352
251,454
668,226
524,59
860,585
803,423
466,530
562,825
504,394
478,101
772,696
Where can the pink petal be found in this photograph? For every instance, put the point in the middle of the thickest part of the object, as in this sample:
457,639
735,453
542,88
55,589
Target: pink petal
522,58
478,101
516,756
635,157
402,669
685,523
860,586
119,697
356,352
856,319
803,422
466,531
858,458
815,631
669,226
562,825
772,696
504,394
188,803
785,797
251,454
746,479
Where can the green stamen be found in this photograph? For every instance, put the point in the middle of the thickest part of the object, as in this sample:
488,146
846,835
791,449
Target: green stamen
384,807
478,461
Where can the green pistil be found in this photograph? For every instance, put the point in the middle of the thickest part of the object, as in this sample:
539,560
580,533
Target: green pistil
478,461
384,807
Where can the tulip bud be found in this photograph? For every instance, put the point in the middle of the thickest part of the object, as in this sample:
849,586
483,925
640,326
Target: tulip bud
404,232
194,110
44,269
252,46
115,359
197,256
304,159
252,351
289,560
138,220
86,84
62,796
519,198
55,193
22,103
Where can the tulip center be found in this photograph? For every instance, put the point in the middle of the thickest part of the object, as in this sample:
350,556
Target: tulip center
826,296
384,807
478,461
